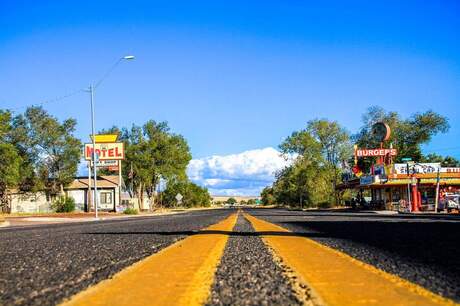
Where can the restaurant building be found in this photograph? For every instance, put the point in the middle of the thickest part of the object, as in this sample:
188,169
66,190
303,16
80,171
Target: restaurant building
406,187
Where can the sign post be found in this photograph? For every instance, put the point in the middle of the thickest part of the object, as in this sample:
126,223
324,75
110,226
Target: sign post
407,160
119,183
90,197
436,200
104,151
179,198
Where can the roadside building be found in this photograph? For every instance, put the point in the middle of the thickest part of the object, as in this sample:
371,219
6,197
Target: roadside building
79,190
402,186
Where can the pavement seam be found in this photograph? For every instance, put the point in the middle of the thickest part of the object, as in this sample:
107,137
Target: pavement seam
395,280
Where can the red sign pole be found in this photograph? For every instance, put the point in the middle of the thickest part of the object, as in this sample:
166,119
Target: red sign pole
415,198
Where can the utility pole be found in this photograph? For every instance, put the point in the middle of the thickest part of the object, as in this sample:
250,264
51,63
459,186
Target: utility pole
95,197
94,155
89,197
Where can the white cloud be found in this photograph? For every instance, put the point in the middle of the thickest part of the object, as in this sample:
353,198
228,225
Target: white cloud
246,173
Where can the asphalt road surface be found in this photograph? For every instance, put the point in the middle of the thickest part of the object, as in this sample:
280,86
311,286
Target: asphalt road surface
248,275
422,249
43,265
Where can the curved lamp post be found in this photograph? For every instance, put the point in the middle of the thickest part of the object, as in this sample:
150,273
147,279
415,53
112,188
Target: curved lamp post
94,158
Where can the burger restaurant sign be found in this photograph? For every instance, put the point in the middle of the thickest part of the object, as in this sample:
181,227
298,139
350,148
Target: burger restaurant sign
375,152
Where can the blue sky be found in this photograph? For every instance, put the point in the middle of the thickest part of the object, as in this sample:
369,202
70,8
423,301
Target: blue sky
234,76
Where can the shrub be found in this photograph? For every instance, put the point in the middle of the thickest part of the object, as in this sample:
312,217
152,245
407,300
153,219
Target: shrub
130,211
63,204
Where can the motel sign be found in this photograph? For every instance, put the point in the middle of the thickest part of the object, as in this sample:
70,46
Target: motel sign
105,151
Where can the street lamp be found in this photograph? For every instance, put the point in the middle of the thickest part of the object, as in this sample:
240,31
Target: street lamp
91,91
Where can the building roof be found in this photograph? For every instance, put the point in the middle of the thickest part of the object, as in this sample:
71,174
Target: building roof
103,181
445,179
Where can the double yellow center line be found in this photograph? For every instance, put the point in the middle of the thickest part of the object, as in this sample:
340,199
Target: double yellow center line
338,279
183,273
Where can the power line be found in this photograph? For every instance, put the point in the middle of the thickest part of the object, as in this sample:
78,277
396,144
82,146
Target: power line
73,93
53,100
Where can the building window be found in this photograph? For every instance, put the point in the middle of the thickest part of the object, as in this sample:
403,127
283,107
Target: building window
106,198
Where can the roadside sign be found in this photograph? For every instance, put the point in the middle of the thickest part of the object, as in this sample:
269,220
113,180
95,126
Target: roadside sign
375,152
413,168
179,198
105,138
105,163
106,151
406,159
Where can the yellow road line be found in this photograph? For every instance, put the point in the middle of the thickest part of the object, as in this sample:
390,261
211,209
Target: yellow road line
181,274
339,279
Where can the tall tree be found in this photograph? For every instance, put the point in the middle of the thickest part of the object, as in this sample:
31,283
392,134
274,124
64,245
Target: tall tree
446,161
407,134
335,146
51,146
10,161
322,147
333,139
153,153
193,195
268,197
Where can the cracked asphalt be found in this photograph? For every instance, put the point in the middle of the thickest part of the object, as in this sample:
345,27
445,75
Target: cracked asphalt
42,265
422,249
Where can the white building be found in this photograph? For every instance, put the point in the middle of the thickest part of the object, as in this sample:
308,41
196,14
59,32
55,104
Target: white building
107,189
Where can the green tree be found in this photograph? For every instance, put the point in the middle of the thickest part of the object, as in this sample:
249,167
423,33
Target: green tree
407,134
251,202
193,195
153,153
9,173
10,160
231,201
51,147
321,149
267,196
446,161
335,147
303,184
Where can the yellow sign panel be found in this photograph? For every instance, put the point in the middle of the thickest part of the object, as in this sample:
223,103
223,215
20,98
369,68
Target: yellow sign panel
104,138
